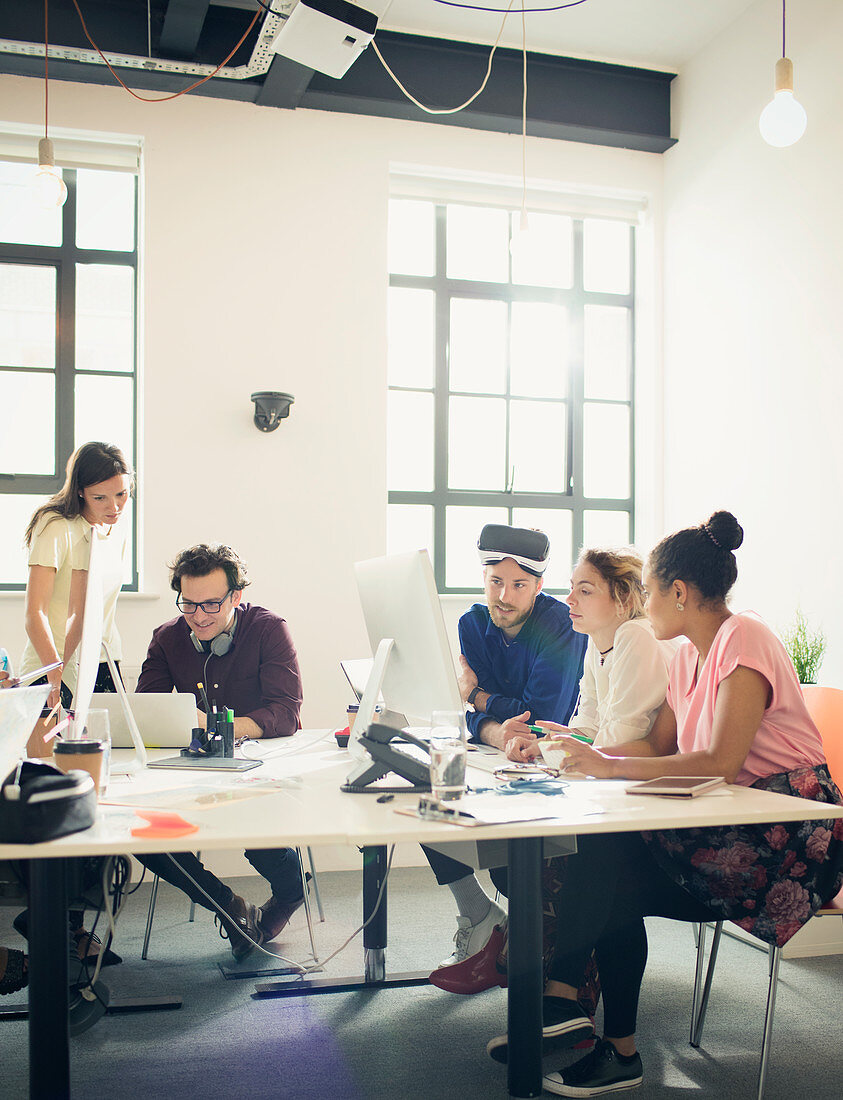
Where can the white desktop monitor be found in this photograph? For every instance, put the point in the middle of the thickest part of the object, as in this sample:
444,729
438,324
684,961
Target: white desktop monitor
413,667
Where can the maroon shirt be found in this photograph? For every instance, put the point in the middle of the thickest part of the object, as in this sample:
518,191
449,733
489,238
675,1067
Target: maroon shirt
258,678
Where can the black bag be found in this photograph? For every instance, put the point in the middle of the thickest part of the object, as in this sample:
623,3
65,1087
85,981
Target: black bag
38,802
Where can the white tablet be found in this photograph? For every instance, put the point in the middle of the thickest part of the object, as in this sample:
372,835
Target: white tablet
677,786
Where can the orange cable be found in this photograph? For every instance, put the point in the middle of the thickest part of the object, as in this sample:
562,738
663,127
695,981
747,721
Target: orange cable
175,95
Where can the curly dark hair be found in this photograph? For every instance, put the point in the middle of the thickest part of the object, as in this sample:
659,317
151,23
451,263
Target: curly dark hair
204,558
701,556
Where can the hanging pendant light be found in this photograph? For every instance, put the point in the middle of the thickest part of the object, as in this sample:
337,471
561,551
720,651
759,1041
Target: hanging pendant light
48,188
783,120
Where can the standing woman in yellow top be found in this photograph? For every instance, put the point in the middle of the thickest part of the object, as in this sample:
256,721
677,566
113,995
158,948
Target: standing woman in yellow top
97,488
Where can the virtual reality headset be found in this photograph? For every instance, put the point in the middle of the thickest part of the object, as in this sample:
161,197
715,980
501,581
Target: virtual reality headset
529,548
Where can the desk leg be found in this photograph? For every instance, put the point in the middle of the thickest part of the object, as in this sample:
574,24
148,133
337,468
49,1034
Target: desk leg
49,1035
524,1004
374,934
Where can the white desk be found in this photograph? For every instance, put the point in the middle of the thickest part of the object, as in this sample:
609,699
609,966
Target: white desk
311,809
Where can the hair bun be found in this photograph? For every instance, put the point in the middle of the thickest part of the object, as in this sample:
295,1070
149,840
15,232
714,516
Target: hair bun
724,530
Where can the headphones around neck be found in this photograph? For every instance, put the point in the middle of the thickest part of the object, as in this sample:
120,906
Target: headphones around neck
219,646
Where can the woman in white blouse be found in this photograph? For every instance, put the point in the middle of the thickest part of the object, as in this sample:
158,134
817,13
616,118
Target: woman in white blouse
625,671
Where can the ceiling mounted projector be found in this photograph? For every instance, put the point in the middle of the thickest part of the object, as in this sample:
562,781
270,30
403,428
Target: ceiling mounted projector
326,35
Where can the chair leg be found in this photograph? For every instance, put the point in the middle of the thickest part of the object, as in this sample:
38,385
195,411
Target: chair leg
307,912
315,883
153,897
775,959
702,991
192,914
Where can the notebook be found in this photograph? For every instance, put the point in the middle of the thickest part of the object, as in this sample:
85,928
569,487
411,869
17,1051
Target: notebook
164,719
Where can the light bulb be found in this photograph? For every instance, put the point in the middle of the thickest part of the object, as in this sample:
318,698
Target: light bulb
521,237
48,188
783,120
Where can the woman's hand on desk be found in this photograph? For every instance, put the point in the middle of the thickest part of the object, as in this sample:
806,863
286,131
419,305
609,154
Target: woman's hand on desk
581,757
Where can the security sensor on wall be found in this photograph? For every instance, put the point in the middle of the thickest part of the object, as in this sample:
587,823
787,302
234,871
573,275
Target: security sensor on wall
271,407
326,35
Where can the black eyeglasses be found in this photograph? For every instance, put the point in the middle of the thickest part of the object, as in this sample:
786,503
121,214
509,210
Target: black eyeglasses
210,607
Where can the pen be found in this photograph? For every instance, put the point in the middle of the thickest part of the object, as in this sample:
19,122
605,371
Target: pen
201,687
582,737
537,729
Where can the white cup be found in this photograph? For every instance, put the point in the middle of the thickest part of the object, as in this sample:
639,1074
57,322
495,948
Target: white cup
554,754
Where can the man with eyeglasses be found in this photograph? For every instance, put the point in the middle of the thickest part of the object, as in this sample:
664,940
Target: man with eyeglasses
244,658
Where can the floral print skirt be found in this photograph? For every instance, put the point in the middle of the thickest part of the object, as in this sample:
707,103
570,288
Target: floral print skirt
769,879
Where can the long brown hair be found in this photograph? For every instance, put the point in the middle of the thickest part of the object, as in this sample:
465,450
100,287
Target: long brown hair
90,464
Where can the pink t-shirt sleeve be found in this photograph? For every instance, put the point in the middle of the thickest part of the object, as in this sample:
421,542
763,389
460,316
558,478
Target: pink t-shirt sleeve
786,738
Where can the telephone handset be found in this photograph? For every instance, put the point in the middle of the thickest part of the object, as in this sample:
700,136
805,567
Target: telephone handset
382,743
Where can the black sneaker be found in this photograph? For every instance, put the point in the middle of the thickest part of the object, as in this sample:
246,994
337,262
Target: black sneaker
599,1072
564,1024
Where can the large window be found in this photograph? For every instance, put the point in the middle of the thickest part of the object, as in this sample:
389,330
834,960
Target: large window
510,382
68,339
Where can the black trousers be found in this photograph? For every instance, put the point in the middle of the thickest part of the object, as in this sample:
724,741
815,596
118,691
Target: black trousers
279,866
611,884
448,870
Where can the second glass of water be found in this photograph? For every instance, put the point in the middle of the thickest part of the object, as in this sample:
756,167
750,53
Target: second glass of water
448,751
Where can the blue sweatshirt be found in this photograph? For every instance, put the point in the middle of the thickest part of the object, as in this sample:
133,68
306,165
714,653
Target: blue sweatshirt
539,670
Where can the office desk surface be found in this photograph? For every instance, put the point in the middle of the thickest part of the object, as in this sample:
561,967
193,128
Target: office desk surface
304,805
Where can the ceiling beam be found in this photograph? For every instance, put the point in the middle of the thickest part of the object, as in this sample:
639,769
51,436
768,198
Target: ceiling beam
285,84
183,23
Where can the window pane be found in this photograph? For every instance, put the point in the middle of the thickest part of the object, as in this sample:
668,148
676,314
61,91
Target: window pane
28,404
476,443
27,315
411,335
462,530
607,352
409,527
605,529
129,564
412,238
104,411
478,346
544,255
15,513
478,244
558,526
606,256
538,446
22,220
606,450
105,210
410,441
539,350
105,317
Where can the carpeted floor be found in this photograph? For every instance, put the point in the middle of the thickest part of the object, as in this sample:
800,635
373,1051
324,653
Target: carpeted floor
416,1042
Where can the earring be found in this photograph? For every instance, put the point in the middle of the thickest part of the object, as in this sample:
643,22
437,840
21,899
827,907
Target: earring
680,606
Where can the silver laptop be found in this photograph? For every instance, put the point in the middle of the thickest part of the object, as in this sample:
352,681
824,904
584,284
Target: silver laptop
20,709
164,719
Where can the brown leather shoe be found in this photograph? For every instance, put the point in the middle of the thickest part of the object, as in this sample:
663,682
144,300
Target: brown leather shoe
241,928
274,916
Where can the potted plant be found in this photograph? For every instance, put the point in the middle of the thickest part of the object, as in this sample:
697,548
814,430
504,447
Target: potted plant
805,647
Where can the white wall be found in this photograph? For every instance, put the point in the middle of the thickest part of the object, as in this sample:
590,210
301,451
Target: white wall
265,268
753,321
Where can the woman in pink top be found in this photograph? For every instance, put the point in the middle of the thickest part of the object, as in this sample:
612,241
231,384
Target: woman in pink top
734,709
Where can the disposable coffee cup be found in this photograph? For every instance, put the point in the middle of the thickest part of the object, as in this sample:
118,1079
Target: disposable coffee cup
84,755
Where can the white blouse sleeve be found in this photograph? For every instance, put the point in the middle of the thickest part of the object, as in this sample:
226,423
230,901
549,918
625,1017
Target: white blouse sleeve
637,685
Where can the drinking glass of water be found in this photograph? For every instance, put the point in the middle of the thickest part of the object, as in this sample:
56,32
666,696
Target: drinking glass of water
448,751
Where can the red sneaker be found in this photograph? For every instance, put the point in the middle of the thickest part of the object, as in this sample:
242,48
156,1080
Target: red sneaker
476,973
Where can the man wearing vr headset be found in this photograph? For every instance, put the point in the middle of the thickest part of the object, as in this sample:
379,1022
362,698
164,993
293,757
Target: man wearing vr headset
521,663
244,658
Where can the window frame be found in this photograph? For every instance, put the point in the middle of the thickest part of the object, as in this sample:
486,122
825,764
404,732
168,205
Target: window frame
575,299
64,258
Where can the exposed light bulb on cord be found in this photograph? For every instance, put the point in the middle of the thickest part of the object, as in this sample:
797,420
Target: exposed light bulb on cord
783,120
47,188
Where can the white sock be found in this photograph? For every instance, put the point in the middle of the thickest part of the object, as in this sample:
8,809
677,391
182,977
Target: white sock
472,900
